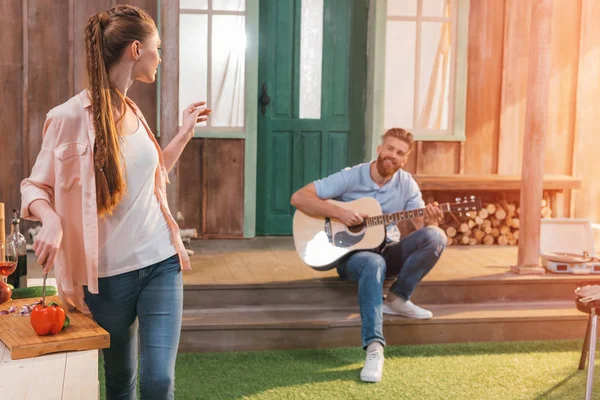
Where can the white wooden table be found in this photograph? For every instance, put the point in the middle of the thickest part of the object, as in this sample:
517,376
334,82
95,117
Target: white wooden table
60,376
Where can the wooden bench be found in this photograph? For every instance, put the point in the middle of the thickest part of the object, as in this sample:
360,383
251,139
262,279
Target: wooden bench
68,375
555,186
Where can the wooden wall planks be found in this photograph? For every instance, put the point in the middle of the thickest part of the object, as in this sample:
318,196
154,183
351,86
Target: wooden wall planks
224,186
484,82
46,66
517,23
42,64
211,187
563,87
586,164
190,186
11,104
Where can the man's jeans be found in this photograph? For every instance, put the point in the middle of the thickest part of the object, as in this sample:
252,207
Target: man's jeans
409,260
150,298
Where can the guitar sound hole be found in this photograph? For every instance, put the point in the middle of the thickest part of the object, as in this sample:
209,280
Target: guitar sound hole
356,228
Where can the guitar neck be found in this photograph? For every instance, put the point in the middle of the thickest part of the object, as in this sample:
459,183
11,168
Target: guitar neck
387,219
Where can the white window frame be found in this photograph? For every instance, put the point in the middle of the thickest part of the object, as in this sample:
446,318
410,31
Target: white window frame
377,85
233,132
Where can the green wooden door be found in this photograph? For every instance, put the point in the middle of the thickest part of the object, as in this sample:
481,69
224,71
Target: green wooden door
298,141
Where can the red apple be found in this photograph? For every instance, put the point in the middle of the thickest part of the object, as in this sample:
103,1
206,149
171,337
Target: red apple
5,292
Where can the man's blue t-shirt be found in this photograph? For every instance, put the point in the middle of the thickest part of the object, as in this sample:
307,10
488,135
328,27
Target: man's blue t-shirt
400,193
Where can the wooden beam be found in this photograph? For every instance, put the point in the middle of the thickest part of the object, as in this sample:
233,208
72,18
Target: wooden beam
536,117
169,86
491,182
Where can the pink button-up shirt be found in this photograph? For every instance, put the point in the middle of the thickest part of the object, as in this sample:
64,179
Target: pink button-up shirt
63,175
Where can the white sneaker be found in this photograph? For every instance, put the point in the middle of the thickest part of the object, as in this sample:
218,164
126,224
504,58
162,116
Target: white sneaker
406,309
373,368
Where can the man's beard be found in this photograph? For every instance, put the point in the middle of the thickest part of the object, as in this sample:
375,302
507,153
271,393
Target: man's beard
386,170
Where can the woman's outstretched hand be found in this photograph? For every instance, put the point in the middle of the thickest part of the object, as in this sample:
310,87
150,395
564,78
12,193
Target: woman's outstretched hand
192,115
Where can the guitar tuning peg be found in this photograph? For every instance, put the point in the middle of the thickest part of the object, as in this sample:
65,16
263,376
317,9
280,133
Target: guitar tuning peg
457,199
465,200
472,198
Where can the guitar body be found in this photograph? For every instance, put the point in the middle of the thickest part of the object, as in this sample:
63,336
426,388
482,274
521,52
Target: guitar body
322,242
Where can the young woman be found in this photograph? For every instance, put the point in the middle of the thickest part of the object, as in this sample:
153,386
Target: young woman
98,188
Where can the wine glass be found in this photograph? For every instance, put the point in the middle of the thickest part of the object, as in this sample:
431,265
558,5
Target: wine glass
9,264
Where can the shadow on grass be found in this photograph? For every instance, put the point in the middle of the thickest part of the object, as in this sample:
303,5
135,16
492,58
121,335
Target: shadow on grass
573,380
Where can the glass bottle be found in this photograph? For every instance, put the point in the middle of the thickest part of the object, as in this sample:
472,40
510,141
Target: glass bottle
19,277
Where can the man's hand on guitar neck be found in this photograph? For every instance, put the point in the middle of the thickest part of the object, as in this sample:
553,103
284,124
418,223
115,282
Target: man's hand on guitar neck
433,216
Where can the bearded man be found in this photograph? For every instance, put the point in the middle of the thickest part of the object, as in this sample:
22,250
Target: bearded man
408,259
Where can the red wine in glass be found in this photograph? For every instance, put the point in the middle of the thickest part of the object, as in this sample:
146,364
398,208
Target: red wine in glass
7,267
9,264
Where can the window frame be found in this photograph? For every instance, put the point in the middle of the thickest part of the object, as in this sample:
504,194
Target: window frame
221,132
376,79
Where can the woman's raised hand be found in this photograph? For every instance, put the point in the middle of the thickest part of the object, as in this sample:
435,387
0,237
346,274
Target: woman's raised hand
192,115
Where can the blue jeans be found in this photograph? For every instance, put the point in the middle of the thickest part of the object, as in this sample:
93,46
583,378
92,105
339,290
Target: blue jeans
150,299
409,260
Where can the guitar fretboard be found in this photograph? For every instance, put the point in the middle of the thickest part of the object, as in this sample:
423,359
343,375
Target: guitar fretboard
387,219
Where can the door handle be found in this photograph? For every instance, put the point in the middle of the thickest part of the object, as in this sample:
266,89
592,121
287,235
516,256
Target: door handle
264,99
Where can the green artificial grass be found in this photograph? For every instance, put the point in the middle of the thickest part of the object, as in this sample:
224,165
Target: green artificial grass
510,370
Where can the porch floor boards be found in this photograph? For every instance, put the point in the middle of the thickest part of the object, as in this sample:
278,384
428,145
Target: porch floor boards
274,260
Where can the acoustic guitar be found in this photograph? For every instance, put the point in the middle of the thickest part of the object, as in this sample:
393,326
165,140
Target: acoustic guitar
323,242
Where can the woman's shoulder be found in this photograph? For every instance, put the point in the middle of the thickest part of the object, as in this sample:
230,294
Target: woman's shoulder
69,121
72,110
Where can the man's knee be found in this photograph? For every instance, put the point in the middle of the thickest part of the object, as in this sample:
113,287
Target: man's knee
437,239
375,267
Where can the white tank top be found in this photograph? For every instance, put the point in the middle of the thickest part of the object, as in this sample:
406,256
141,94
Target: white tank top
136,235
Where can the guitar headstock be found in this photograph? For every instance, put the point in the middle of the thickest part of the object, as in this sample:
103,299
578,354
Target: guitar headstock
465,204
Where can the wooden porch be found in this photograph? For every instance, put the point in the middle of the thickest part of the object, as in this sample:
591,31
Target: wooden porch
256,294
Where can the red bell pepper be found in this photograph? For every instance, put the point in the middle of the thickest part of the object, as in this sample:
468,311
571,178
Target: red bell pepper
48,320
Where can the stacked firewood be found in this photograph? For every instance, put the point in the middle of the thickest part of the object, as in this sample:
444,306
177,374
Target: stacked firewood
496,223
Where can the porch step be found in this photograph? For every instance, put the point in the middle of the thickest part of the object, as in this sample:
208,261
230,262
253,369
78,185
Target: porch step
291,327
344,294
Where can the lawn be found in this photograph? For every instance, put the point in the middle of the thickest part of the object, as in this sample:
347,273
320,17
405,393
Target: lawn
514,370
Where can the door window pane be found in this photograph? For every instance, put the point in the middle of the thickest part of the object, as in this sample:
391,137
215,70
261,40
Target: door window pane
193,4
311,58
193,59
229,5
402,8
400,74
228,61
434,70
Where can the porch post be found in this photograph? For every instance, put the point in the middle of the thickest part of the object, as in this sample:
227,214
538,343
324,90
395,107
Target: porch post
533,146
169,88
